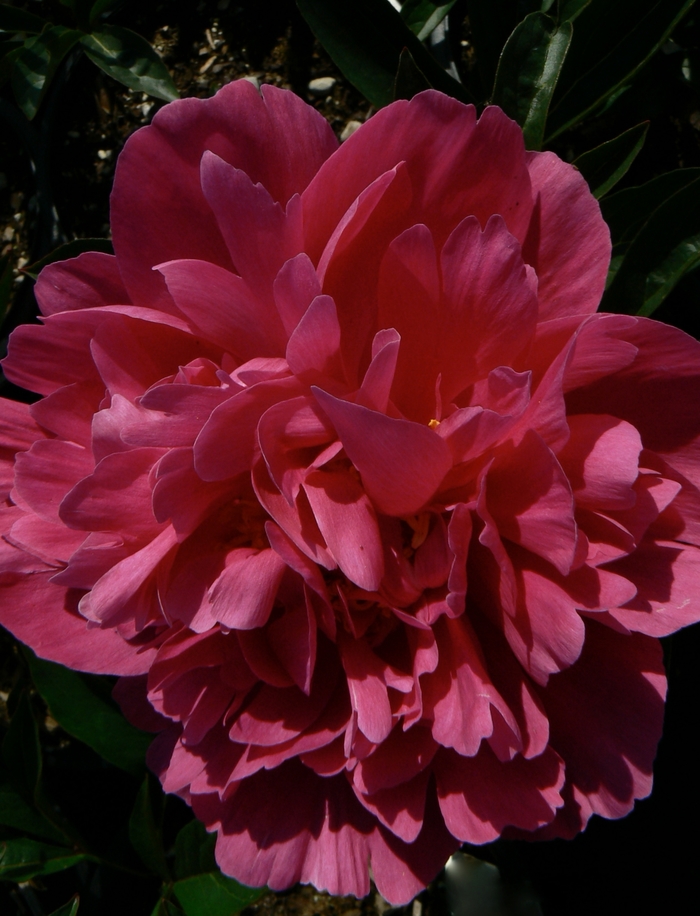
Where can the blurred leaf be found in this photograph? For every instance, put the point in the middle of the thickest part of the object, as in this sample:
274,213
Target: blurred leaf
166,908
68,909
605,165
194,850
100,7
365,39
214,895
21,752
611,43
23,858
17,813
422,16
491,23
76,704
145,828
69,250
666,248
9,52
410,80
570,9
13,19
528,71
6,281
627,211
128,58
36,64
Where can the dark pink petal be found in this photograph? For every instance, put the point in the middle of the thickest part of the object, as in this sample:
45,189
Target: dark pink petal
396,760
379,378
348,523
295,288
243,595
43,616
401,463
313,349
89,281
47,472
262,236
480,796
567,241
606,716
459,694
666,576
223,308
242,413
158,209
400,809
489,310
116,496
530,500
601,461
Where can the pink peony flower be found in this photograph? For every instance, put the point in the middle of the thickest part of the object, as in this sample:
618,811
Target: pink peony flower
336,463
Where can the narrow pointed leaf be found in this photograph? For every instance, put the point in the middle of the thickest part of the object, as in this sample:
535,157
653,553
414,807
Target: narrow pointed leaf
423,16
145,828
22,859
666,248
128,58
605,165
17,813
628,211
410,80
36,64
68,909
610,46
570,9
78,704
365,39
13,19
528,72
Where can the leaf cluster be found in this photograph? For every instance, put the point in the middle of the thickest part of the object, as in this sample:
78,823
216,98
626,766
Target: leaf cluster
32,49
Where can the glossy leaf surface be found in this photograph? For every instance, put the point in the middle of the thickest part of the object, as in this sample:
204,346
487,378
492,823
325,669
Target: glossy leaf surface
128,58
605,165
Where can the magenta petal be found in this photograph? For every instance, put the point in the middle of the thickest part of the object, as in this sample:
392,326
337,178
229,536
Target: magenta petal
243,595
348,523
314,345
88,281
223,308
401,463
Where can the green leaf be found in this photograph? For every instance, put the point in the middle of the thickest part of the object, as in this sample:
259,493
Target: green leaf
69,250
605,165
214,895
491,23
664,250
611,43
145,828
423,16
365,39
68,909
15,812
21,751
100,7
23,859
570,9
166,907
528,71
194,850
36,64
77,703
13,19
410,80
628,211
128,58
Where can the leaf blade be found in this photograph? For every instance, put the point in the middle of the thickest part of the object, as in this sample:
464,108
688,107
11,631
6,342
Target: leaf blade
528,71
605,165
131,60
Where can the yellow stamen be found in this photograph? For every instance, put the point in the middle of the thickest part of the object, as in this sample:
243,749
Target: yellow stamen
433,424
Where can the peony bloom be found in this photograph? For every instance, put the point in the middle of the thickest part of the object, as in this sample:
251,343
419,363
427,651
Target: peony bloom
337,465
